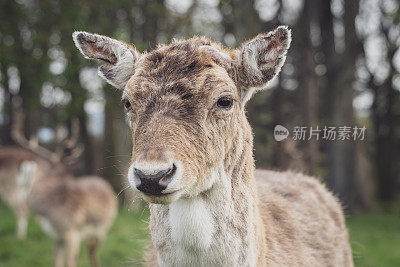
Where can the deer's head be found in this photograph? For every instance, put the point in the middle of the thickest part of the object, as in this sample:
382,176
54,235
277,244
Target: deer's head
185,102
58,163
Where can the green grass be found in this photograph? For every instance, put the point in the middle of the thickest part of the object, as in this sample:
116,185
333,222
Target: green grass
375,239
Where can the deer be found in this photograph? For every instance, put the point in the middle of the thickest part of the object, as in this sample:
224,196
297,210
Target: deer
68,209
19,167
192,157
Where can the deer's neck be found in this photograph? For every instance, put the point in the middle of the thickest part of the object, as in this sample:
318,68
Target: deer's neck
217,228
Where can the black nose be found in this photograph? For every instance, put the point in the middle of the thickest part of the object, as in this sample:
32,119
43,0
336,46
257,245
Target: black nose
153,184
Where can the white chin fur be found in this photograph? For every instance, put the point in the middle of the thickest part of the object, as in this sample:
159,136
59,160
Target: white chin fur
163,199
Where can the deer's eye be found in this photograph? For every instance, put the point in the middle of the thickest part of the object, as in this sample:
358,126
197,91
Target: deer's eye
127,104
225,102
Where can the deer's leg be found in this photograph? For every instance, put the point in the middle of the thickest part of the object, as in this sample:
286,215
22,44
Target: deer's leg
22,221
92,244
59,253
72,243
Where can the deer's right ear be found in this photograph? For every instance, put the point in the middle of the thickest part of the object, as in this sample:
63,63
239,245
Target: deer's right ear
118,58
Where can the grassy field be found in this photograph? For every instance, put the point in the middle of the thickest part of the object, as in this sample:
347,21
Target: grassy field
375,239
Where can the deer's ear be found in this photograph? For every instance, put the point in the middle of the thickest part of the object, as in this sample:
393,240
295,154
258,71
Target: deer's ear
117,58
261,59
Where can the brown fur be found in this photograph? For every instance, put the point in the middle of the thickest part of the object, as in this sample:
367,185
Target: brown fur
214,212
304,217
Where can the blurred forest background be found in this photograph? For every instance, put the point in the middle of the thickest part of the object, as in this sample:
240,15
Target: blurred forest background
343,69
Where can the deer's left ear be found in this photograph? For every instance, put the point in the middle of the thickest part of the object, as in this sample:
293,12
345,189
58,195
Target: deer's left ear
260,59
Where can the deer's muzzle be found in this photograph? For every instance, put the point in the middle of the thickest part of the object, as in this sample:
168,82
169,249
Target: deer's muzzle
152,178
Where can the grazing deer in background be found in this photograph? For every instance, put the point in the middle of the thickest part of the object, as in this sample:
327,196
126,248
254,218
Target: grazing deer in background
192,157
18,168
68,209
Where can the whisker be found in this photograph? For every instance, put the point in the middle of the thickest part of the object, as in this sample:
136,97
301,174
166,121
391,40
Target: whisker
123,189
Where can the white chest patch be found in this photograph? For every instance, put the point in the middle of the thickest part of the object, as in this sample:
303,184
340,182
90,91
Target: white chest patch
191,223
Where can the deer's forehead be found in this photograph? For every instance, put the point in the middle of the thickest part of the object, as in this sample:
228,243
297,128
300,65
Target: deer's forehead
206,86
181,69
170,82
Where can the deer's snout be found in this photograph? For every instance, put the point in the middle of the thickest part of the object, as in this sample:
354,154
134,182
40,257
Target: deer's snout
152,180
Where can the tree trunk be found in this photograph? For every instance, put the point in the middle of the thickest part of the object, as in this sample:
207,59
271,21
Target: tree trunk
341,158
308,87
6,138
385,121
